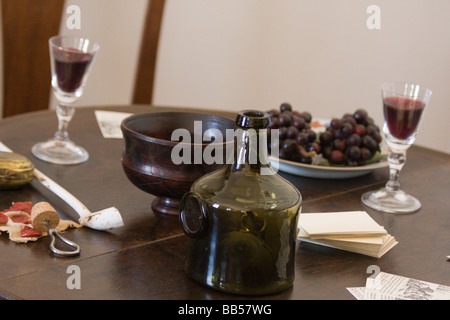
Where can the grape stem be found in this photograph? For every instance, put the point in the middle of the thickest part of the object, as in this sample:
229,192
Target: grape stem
305,153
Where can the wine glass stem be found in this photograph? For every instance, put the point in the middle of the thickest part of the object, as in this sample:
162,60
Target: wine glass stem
64,113
396,161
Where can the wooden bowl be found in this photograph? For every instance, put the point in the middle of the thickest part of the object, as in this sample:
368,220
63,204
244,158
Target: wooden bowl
147,154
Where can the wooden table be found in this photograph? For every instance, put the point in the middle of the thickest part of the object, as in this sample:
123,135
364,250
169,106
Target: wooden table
145,258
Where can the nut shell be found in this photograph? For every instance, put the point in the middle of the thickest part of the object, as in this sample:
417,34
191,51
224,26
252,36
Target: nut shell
15,170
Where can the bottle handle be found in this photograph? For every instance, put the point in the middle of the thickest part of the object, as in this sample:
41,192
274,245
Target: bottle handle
193,215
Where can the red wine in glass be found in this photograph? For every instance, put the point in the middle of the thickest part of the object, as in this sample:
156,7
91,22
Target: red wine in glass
70,67
403,106
71,59
402,116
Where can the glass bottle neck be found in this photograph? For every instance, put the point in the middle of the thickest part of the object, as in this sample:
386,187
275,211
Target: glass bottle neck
251,149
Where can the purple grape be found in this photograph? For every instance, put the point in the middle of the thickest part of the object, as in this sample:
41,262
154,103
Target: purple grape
360,116
349,119
273,123
365,153
292,132
377,137
337,156
282,133
284,120
302,139
289,147
298,122
360,129
369,142
285,107
315,146
339,144
347,129
354,140
307,116
326,137
336,124
310,134
274,113
353,152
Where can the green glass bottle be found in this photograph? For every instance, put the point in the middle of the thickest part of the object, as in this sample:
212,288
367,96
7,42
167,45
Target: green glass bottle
242,219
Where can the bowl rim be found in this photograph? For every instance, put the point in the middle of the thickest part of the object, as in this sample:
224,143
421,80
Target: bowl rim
124,127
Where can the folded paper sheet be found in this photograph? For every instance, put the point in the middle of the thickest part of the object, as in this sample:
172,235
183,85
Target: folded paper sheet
109,123
353,231
386,286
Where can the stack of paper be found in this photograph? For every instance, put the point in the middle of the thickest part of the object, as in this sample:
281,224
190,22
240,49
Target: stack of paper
353,231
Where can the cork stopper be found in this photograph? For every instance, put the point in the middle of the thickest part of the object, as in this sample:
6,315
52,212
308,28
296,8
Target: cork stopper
41,212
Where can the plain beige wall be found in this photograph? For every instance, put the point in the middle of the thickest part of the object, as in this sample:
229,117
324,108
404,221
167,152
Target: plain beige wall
238,54
318,55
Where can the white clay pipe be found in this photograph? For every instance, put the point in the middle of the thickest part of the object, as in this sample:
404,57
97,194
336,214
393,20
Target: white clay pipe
105,219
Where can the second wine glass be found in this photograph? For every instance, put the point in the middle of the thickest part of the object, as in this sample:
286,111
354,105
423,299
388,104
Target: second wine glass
71,60
403,107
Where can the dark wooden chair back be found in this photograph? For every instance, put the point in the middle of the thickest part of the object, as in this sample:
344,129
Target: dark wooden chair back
143,86
27,26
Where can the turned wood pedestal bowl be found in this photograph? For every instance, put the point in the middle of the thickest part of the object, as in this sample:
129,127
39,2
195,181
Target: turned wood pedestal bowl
148,160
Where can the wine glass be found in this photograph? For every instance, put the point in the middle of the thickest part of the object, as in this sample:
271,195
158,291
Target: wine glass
71,60
403,106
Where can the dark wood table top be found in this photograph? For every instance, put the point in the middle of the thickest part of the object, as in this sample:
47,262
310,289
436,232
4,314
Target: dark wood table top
145,258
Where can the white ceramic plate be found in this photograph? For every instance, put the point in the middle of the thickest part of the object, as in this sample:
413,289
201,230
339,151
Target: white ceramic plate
327,172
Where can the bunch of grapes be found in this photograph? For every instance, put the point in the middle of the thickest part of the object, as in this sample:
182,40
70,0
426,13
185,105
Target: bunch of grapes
350,140
297,141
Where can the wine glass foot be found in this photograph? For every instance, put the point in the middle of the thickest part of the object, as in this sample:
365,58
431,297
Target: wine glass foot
60,152
390,201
